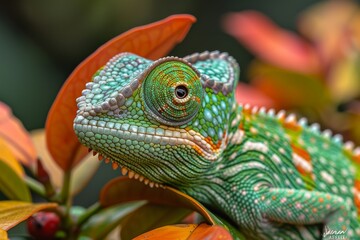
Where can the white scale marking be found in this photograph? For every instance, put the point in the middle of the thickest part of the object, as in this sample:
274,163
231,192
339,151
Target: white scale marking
242,166
237,137
299,161
276,159
233,156
258,146
327,177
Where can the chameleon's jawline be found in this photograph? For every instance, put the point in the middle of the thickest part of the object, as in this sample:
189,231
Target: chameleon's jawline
126,171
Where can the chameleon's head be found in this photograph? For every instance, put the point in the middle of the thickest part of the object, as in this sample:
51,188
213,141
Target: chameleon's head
165,121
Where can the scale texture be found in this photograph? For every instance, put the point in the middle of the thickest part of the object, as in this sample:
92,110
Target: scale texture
175,122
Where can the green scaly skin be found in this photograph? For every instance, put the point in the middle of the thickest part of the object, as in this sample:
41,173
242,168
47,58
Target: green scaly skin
175,122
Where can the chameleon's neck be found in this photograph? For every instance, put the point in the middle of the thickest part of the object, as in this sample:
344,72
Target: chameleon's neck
214,188
234,172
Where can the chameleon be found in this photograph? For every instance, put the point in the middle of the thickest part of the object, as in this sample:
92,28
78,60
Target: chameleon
176,122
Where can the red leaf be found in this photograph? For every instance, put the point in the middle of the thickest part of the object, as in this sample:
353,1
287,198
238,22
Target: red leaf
150,41
16,136
123,189
271,43
248,94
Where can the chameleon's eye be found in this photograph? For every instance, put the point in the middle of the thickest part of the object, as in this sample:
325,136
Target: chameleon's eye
172,92
181,91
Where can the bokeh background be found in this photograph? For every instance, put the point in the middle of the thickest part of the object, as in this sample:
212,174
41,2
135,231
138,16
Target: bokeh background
42,41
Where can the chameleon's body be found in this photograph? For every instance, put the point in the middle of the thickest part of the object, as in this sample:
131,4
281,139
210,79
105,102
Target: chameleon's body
175,122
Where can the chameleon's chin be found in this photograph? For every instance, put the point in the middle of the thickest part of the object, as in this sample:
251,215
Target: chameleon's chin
126,171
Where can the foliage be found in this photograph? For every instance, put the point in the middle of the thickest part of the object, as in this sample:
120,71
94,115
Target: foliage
58,167
315,73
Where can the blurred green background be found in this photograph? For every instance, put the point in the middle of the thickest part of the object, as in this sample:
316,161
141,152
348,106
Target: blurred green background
42,41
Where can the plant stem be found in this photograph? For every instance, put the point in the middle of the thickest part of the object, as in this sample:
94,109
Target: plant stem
65,192
89,213
35,186
66,200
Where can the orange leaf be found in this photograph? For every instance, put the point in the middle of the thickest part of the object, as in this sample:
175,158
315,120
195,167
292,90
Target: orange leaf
3,235
178,232
14,212
187,232
204,231
8,157
271,43
16,136
248,94
150,41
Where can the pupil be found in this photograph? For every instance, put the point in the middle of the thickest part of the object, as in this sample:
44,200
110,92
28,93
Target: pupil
181,91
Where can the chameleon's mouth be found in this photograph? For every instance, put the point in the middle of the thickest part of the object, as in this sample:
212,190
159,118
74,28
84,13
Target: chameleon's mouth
127,147
126,171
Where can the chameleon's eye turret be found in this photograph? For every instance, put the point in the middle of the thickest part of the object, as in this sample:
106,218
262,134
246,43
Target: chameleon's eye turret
172,91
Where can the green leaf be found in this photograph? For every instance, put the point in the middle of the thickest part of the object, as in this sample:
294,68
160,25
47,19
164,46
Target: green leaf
102,223
344,78
354,119
12,185
149,217
289,89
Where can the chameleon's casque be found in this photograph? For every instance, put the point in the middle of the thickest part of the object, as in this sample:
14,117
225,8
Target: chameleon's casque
175,122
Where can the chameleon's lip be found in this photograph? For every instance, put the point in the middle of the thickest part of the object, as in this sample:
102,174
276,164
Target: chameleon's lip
162,135
126,171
